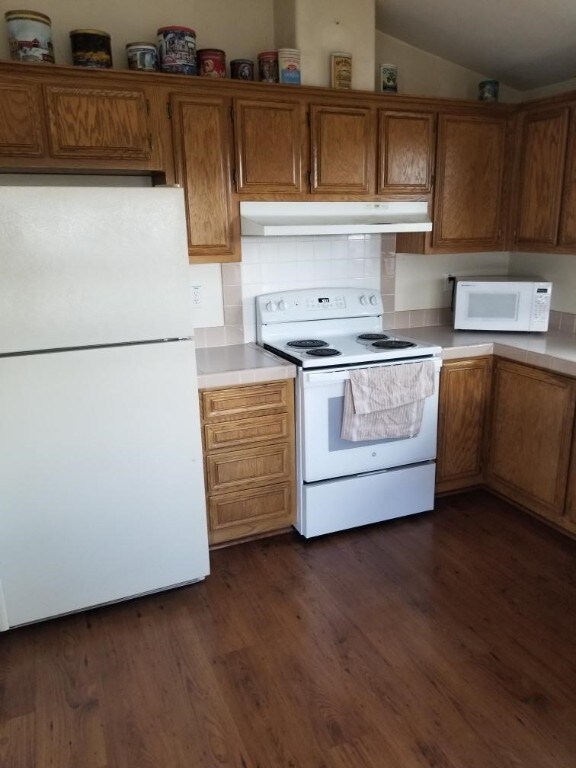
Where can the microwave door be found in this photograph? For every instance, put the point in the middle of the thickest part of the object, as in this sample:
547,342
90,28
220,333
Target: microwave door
493,307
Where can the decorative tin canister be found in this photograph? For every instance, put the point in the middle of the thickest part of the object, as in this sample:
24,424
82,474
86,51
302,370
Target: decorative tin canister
388,78
341,70
177,50
91,48
211,62
268,67
142,56
242,69
29,36
488,90
289,65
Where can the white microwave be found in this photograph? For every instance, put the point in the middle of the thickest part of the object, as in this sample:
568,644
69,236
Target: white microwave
501,303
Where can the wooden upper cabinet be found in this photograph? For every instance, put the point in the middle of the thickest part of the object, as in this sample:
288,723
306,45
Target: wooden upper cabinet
21,132
406,152
342,148
469,205
269,145
542,155
105,124
201,128
567,233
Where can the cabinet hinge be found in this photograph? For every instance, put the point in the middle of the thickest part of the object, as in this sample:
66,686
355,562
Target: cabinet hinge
169,110
147,102
231,110
308,119
150,141
234,177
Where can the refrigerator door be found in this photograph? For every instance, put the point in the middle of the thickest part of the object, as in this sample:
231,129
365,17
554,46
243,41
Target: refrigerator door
85,266
101,478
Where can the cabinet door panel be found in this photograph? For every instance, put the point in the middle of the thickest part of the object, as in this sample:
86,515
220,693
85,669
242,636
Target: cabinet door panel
532,418
21,121
202,145
542,155
268,145
250,512
102,123
252,466
567,236
463,407
468,210
342,150
406,145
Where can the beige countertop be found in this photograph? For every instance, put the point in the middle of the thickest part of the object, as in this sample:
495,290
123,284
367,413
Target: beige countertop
249,363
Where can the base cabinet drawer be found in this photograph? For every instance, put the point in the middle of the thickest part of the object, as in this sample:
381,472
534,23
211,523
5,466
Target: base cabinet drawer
249,459
250,512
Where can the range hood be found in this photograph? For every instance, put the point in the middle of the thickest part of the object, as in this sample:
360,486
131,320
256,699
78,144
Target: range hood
269,219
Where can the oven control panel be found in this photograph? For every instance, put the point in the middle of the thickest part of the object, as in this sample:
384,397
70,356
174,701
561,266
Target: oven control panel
317,303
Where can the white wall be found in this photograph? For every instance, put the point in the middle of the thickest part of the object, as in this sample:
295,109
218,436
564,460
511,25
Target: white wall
422,74
242,29
560,269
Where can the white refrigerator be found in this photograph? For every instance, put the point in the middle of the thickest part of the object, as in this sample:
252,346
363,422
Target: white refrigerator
101,475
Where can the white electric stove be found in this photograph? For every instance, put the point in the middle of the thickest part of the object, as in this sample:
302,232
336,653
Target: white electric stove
342,484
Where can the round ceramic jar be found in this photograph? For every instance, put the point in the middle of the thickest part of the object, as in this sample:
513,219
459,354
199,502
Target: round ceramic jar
268,67
289,66
242,69
91,48
177,50
142,57
29,36
211,62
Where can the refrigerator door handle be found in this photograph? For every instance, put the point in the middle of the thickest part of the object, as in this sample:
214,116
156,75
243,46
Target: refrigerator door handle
4,624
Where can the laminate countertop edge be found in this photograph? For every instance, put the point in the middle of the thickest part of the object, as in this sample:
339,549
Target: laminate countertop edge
235,364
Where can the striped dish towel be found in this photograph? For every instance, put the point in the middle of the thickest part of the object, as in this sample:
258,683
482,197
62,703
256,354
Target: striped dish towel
386,401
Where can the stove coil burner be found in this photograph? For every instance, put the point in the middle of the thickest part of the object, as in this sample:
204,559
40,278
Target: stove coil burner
323,352
393,344
307,343
372,337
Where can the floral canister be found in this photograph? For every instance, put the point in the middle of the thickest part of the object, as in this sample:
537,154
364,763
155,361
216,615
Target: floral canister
91,48
289,66
142,56
177,50
211,62
268,67
242,69
29,36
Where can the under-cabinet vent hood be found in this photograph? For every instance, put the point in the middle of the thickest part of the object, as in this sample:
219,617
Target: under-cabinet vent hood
292,219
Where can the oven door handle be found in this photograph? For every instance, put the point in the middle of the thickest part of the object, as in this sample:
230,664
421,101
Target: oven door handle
321,378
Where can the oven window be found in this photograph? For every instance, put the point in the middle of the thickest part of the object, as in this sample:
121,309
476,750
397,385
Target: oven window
493,306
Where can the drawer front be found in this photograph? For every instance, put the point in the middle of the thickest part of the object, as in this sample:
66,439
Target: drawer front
250,512
229,434
253,466
243,402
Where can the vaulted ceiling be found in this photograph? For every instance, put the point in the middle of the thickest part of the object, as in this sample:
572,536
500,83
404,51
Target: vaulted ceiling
523,43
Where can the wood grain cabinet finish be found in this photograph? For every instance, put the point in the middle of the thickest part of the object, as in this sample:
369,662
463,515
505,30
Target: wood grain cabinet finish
567,232
463,409
202,134
21,125
406,147
248,435
103,123
469,204
531,436
342,149
540,178
269,141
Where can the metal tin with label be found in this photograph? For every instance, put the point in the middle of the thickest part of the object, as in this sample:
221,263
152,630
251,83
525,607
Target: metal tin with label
289,65
29,36
242,69
142,57
341,70
268,67
211,62
177,50
91,48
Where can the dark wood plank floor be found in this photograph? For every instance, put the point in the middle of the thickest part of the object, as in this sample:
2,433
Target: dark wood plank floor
444,640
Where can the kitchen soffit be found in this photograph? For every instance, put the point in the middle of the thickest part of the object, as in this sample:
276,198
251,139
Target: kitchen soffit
523,43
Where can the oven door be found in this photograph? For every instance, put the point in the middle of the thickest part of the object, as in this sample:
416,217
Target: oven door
324,455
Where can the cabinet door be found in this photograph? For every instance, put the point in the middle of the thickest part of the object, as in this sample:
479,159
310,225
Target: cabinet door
463,408
342,150
469,196
21,111
406,152
268,145
542,156
202,146
99,123
567,235
531,432
569,520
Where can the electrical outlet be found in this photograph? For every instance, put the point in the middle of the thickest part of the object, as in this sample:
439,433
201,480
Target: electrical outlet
197,296
447,284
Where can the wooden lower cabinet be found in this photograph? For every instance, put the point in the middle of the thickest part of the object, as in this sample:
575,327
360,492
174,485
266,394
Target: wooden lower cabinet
249,449
463,409
532,432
